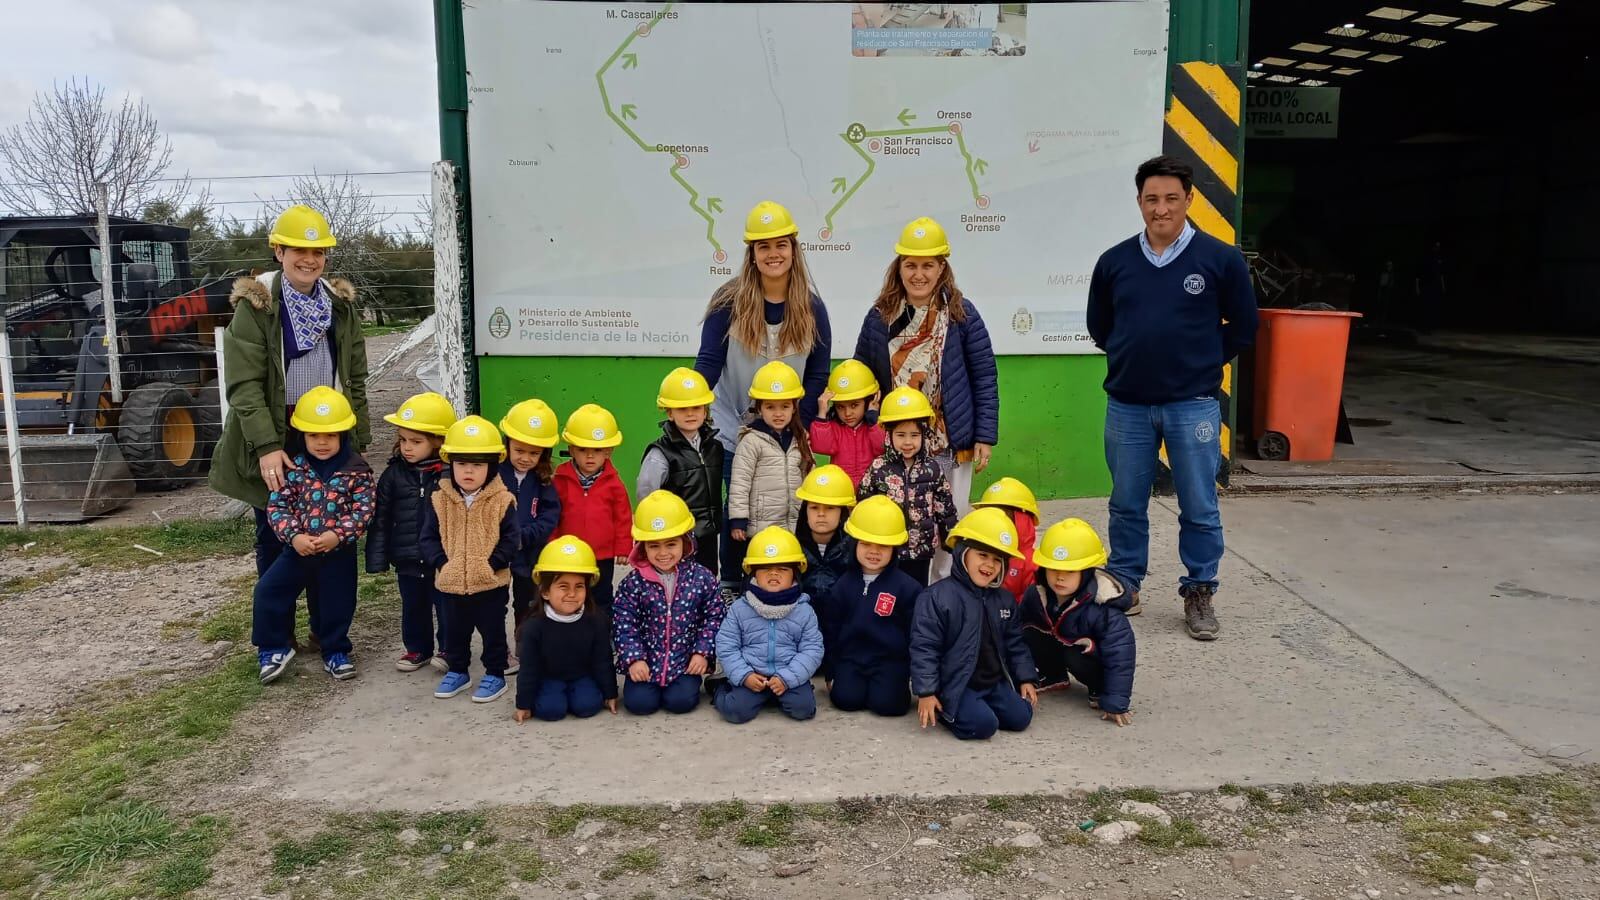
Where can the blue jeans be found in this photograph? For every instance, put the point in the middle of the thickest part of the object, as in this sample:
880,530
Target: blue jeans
580,696
738,704
332,575
1134,434
978,715
642,698
420,609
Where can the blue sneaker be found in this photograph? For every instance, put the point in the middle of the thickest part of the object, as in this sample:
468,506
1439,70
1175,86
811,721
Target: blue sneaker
490,688
274,663
339,666
452,684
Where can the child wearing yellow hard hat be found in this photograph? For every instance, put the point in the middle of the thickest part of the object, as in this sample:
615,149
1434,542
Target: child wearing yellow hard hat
970,666
773,456
667,612
826,496
594,501
866,615
319,513
846,432
687,459
527,472
566,640
769,643
404,490
469,536
1018,502
909,475
1076,618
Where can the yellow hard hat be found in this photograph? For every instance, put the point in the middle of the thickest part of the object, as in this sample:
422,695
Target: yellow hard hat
684,387
922,237
323,410
878,520
301,226
1009,492
428,413
990,527
904,404
777,380
567,554
768,220
852,380
472,436
774,546
592,425
827,485
661,515
531,422
1070,546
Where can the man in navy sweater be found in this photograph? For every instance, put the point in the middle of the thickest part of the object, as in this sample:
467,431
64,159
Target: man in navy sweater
1169,307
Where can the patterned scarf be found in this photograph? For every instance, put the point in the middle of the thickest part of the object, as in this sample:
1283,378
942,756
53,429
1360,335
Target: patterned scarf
310,317
916,355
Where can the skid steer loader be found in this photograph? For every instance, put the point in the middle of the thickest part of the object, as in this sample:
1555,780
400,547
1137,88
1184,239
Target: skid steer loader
83,453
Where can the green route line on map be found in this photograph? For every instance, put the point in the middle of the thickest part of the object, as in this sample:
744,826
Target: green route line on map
629,111
974,167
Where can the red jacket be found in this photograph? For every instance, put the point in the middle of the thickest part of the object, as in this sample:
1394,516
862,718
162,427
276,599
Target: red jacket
851,449
601,516
1019,572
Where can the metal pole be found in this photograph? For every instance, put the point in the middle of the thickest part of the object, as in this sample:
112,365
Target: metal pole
108,294
13,435
222,376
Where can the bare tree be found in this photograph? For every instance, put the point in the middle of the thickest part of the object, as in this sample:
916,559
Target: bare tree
353,216
72,139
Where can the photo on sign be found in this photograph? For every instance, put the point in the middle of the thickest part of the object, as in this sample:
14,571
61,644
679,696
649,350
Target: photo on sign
938,29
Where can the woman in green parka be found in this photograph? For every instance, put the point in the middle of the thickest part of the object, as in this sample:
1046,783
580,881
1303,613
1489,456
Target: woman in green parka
292,330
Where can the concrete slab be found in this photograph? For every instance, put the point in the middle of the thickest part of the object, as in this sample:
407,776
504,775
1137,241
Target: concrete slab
1494,598
1288,695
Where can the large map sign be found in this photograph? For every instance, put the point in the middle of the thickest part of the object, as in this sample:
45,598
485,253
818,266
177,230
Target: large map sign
615,150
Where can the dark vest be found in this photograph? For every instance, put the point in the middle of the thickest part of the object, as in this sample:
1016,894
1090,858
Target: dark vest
694,475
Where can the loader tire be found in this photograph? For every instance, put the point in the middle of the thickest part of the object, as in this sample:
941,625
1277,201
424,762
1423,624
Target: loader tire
208,411
160,436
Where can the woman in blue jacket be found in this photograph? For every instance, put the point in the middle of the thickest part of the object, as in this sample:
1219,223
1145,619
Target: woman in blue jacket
923,333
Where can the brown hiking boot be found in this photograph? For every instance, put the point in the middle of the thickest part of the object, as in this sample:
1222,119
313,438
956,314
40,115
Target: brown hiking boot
1198,616
1134,607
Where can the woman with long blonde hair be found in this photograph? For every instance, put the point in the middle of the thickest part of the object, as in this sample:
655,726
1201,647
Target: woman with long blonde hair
768,312
923,333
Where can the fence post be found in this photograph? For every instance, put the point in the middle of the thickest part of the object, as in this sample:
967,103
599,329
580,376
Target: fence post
448,287
108,292
222,383
13,434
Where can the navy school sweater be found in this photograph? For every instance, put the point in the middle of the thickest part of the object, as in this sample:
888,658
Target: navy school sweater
1163,329
538,513
564,651
867,624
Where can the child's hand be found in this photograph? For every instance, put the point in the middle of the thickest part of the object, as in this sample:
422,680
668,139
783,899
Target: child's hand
755,682
1030,694
697,665
776,686
1122,718
739,534
522,715
824,400
640,671
928,709
304,544
327,541
621,560
612,705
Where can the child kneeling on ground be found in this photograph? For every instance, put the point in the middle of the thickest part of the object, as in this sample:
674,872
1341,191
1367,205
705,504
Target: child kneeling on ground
970,667
769,643
320,513
469,536
1076,620
565,642
866,616
667,611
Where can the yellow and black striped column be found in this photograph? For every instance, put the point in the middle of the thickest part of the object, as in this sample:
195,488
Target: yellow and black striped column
1202,129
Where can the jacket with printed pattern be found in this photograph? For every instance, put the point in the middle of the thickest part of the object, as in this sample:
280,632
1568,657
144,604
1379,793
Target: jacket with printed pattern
309,505
923,494
664,633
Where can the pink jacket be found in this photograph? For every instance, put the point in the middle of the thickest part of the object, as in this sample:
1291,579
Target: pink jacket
851,449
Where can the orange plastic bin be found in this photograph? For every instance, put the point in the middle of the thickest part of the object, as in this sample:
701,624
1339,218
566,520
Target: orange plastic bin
1299,378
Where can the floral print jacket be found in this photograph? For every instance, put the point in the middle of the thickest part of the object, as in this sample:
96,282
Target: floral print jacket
923,494
309,505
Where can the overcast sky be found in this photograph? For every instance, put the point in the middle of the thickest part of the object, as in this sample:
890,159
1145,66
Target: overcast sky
249,88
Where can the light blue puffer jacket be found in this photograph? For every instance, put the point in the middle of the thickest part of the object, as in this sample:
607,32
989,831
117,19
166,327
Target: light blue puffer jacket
788,644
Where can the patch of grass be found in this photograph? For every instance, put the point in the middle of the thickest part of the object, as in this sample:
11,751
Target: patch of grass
188,866
853,810
714,816
1258,797
999,803
1182,834
231,620
125,830
638,861
1442,851
181,540
562,821
1230,789
774,829
1142,795
988,860
21,584
290,856
469,875
528,864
